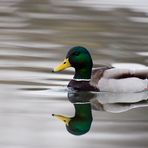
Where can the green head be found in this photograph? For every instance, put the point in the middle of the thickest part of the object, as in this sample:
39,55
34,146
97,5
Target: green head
79,58
81,122
78,126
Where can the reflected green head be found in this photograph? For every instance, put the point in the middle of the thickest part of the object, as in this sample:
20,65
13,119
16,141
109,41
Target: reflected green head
81,122
79,126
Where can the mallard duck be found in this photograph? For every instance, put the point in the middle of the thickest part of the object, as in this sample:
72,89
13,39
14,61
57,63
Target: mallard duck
105,78
81,122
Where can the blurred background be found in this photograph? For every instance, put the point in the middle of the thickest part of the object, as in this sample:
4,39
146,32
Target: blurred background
34,37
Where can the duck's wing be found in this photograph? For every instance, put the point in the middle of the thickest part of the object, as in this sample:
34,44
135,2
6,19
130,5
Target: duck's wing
116,73
116,78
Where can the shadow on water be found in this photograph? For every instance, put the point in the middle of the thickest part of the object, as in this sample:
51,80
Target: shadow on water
86,102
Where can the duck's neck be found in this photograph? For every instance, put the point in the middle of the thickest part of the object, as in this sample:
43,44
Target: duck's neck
83,110
83,73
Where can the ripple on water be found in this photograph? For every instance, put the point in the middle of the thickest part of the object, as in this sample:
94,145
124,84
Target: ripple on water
34,38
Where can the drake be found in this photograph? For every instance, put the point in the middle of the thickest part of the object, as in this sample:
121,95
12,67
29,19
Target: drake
108,79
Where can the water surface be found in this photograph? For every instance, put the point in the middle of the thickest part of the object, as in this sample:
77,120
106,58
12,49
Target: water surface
34,37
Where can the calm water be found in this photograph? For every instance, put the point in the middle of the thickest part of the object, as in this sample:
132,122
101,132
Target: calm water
34,37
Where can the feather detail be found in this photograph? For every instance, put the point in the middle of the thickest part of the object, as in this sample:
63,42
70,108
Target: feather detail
119,80
122,85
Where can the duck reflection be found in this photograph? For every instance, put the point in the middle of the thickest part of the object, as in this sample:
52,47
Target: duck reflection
81,122
119,102
85,102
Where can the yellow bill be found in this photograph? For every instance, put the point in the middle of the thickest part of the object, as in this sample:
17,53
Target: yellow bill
65,64
62,118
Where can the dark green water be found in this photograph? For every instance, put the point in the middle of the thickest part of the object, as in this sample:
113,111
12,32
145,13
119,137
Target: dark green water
34,38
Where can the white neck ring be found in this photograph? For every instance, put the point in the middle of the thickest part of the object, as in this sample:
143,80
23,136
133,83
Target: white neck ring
82,79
